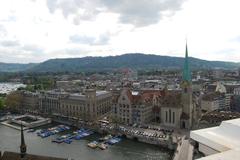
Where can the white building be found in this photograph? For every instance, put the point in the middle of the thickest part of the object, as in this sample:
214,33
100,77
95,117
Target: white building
219,143
236,91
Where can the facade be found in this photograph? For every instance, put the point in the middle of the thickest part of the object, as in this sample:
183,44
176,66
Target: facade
237,91
89,105
136,107
49,101
30,101
215,101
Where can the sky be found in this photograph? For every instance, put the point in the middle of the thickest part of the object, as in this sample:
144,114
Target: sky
37,30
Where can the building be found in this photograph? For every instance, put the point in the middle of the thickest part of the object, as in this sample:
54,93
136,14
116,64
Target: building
236,91
49,101
215,101
220,142
23,153
171,108
136,107
176,107
214,118
89,106
30,101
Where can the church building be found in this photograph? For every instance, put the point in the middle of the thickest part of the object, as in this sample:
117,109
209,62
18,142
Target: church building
176,107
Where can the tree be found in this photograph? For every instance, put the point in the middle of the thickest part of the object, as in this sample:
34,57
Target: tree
1,103
14,100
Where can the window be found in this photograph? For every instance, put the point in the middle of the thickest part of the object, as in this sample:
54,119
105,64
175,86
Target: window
170,115
173,117
166,117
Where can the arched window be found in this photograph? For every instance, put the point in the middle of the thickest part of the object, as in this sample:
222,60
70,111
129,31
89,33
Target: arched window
170,115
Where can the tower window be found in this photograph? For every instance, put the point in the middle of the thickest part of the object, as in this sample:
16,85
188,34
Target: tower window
166,117
185,90
173,117
170,115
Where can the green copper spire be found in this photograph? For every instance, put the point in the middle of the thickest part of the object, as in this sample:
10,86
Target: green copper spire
186,69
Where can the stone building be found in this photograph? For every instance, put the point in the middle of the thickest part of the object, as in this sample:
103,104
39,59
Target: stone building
88,105
49,101
30,101
136,107
215,101
176,107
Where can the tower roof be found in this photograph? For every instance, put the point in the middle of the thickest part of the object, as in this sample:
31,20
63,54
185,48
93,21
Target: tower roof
186,69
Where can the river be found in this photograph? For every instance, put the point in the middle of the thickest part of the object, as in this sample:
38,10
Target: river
77,150
9,87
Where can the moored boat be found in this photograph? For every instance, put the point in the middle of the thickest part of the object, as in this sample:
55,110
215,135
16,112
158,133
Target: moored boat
93,144
103,146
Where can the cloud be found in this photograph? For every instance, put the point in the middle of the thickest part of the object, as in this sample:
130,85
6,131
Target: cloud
32,48
3,31
139,13
102,39
142,12
235,39
10,43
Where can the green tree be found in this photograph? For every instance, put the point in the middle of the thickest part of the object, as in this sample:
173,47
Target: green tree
1,103
14,100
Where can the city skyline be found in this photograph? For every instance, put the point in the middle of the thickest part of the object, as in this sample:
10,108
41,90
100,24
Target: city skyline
34,31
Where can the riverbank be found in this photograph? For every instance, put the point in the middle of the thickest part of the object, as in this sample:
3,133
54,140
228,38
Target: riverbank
78,150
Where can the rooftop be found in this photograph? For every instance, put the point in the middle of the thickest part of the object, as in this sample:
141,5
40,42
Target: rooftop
224,139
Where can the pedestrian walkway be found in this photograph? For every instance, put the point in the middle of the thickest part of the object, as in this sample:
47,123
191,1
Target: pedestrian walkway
184,150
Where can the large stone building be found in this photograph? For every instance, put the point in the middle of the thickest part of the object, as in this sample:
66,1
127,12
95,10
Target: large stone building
136,107
88,105
30,101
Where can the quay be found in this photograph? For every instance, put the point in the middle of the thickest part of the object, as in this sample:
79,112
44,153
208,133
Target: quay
148,136
28,121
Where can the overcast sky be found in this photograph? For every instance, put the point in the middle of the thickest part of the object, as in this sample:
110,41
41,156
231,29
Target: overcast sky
37,30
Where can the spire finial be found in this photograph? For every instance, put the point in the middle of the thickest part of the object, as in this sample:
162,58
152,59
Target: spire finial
186,70
23,147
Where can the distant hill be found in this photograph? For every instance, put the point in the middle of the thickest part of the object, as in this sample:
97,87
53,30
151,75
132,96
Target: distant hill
134,61
15,67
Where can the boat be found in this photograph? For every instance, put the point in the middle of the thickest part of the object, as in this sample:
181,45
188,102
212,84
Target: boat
114,140
103,146
68,141
105,138
93,144
57,141
31,130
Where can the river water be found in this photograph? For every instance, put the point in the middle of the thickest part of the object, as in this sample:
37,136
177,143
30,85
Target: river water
9,87
77,150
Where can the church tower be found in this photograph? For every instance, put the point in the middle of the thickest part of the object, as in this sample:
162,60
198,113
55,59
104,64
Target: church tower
23,147
186,97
